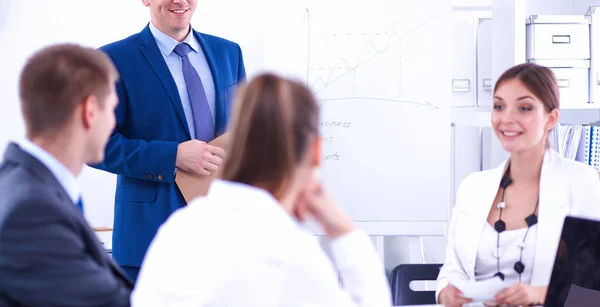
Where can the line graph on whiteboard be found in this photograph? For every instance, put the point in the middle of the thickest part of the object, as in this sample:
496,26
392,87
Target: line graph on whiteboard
361,65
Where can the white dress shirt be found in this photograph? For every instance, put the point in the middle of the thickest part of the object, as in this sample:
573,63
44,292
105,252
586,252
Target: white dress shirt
64,176
166,45
238,247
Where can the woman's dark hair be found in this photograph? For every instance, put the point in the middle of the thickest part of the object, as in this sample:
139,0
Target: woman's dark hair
539,80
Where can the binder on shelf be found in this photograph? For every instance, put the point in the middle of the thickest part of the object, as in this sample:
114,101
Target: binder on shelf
565,139
589,146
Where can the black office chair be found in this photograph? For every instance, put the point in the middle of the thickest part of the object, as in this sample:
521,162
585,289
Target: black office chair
401,277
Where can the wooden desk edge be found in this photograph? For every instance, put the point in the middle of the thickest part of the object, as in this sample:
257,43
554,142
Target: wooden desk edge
102,229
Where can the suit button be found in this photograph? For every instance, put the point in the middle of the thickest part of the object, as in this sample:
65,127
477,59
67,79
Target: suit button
160,177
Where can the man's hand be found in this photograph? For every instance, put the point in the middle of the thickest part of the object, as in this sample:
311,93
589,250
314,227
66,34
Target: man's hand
199,157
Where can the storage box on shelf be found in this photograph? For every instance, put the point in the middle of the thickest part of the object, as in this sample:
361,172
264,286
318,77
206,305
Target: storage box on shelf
562,43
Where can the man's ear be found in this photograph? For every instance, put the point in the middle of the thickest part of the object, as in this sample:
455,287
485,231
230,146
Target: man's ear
89,111
146,2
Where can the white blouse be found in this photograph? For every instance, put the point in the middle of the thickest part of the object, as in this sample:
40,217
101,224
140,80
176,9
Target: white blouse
511,241
238,247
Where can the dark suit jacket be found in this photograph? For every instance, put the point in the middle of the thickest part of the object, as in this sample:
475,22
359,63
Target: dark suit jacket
49,255
150,125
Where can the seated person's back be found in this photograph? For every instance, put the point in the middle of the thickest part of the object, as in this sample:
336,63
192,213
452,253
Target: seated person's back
241,244
49,255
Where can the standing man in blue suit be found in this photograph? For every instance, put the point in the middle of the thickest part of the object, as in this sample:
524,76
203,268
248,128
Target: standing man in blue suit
175,96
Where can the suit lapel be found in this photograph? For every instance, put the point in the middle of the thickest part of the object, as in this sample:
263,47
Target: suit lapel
552,211
98,251
212,57
118,271
480,206
150,50
38,169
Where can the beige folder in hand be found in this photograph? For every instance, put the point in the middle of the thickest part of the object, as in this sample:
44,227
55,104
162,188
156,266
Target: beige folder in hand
193,185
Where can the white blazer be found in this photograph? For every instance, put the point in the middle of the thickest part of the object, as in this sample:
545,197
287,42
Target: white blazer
238,247
567,187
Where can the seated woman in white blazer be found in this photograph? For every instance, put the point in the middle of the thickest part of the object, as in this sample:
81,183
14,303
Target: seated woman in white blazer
507,221
242,245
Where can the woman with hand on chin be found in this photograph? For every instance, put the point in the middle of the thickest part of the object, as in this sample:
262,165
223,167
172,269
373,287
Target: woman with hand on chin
241,244
507,221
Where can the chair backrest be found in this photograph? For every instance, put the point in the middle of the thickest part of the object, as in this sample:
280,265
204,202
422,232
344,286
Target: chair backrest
401,277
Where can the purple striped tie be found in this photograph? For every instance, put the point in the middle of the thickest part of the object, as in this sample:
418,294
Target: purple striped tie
203,122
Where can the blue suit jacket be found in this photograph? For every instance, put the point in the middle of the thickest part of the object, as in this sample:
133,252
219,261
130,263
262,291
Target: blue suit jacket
150,125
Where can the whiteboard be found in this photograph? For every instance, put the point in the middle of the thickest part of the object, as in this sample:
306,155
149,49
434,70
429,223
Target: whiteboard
381,72
380,68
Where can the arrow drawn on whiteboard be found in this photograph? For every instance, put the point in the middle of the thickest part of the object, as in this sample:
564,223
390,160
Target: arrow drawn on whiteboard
424,103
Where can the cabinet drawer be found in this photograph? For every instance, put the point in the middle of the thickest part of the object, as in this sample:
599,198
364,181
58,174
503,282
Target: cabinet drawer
559,41
573,85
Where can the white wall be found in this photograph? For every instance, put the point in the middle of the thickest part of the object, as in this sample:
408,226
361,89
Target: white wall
471,3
